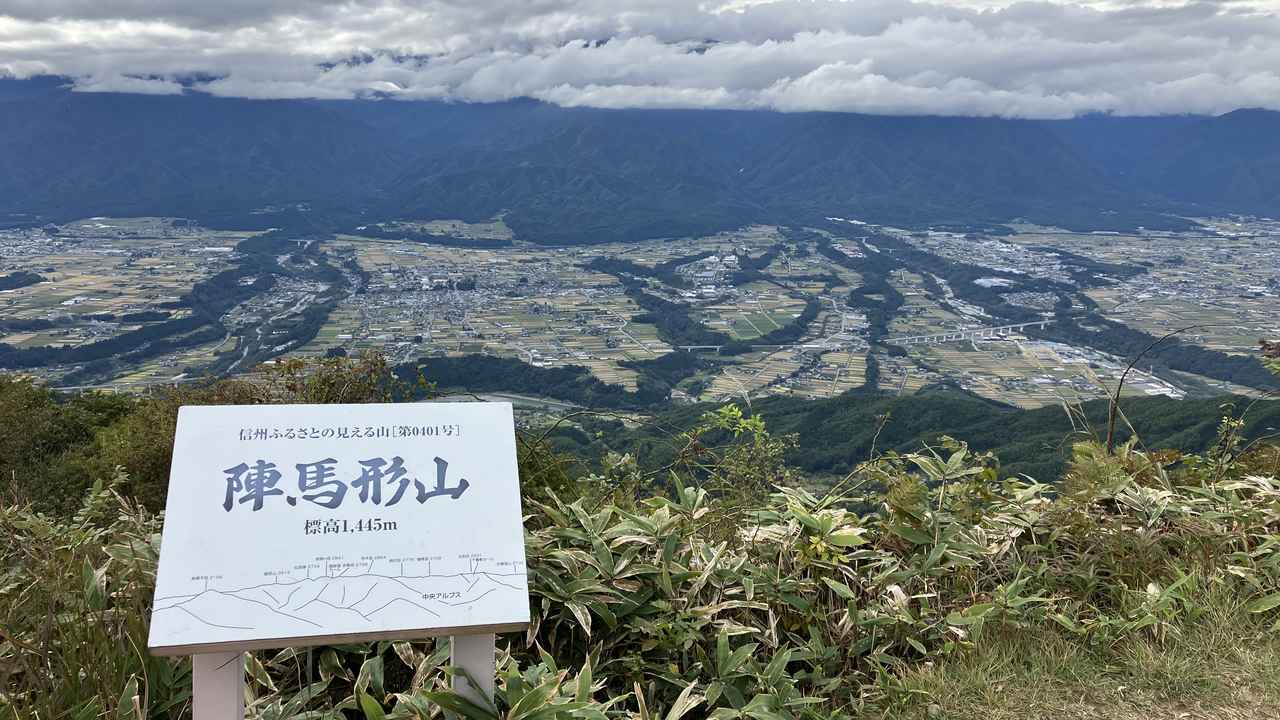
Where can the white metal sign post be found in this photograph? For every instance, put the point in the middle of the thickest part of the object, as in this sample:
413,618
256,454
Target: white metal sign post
217,685
475,654
298,525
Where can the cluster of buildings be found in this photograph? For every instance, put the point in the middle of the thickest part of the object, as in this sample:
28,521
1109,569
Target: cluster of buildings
709,275
998,255
26,242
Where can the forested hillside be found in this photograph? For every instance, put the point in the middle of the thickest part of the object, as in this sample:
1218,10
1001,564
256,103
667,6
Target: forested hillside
1231,160
834,435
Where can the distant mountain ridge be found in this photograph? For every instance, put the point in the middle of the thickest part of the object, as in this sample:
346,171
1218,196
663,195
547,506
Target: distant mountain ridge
573,175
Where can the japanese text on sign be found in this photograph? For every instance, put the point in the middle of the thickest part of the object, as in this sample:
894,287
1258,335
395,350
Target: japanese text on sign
348,432
319,483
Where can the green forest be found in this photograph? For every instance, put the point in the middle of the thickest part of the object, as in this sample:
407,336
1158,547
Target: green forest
833,436
15,280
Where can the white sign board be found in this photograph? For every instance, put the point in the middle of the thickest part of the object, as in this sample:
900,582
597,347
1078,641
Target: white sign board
320,524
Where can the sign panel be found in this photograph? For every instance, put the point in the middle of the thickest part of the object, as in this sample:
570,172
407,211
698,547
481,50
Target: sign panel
320,524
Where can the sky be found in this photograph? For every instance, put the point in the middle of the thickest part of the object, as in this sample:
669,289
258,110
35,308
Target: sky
894,57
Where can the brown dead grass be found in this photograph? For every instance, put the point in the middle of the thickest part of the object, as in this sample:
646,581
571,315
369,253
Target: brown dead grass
1224,665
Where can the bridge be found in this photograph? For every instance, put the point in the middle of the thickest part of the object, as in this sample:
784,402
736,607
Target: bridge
716,348
835,344
961,335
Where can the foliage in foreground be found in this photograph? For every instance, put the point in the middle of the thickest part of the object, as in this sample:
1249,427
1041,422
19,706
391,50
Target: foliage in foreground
721,592
53,448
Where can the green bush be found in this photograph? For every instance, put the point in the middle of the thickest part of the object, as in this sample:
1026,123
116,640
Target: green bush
43,439
68,444
706,588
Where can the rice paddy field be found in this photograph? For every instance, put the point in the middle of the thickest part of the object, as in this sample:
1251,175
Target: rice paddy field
542,305
758,309
920,314
99,270
1216,280
836,372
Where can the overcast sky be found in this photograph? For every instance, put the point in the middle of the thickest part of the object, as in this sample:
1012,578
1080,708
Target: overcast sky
976,57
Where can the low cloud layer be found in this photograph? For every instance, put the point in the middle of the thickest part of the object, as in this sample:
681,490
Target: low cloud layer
985,58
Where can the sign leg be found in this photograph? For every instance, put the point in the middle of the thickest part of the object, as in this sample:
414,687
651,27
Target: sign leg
217,681
476,654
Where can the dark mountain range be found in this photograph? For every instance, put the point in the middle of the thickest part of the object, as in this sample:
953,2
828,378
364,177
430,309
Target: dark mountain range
568,175
1231,161
71,155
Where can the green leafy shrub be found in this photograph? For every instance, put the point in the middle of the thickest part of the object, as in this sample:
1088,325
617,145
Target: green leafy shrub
710,586
719,593
68,444
40,433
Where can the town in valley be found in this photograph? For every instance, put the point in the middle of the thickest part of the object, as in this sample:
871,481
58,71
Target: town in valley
812,311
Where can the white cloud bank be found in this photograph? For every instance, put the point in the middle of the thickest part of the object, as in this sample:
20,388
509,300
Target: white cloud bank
979,57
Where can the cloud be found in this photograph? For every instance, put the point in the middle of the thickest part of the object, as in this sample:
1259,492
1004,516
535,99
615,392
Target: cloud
129,84
1029,59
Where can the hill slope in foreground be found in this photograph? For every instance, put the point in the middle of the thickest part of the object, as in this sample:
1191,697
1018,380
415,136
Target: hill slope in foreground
1136,584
